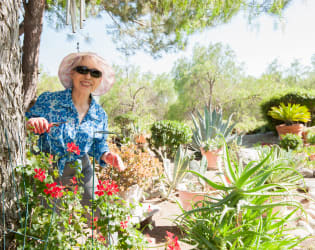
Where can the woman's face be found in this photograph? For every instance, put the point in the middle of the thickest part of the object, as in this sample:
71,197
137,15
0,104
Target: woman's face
83,81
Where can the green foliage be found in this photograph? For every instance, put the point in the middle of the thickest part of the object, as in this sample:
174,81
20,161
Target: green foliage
157,26
147,96
210,126
291,141
310,138
55,213
170,134
181,163
241,215
304,97
199,79
48,83
290,113
125,122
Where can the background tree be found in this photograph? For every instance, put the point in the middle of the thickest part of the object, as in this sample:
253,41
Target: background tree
149,25
144,95
197,79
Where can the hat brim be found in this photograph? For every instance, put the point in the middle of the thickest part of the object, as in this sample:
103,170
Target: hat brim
67,64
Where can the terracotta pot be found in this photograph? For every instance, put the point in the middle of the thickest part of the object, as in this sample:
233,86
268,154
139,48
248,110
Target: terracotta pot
213,158
283,129
312,157
187,198
140,139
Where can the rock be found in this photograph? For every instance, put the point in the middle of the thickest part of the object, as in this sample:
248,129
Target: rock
306,227
247,155
306,172
311,212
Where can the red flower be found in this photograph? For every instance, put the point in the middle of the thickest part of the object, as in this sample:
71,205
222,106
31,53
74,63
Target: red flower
40,174
101,238
75,189
72,148
54,190
51,157
106,186
74,180
123,224
94,223
149,209
172,243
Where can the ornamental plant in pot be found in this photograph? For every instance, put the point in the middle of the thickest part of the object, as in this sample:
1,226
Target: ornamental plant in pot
193,188
210,126
292,115
212,150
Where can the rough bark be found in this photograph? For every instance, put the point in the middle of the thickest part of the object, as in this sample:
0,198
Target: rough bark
33,23
11,114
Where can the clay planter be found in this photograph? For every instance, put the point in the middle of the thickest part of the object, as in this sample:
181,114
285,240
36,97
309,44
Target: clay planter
283,129
187,198
140,139
312,157
213,158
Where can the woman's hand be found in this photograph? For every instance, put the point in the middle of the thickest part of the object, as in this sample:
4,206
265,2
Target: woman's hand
39,125
114,160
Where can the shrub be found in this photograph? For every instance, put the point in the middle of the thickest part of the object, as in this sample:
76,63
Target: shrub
310,138
291,141
124,122
301,96
170,134
141,167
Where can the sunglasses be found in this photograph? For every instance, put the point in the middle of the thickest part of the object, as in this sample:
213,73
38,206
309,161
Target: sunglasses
83,70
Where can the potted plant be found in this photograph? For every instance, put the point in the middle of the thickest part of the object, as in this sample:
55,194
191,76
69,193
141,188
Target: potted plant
292,115
138,136
208,128
194,189
212,150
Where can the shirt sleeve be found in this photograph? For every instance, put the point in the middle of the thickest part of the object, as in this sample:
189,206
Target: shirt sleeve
40,108
100,146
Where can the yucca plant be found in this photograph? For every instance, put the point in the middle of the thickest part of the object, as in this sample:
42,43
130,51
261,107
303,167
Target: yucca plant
210,126
242,216
290,114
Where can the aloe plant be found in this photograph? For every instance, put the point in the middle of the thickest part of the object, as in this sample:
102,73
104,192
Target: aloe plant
290,114
181,164
210,126
242,216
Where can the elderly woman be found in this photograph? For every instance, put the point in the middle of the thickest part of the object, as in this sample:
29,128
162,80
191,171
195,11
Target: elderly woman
73,116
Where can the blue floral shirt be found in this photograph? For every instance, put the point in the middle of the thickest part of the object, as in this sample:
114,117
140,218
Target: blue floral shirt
58,107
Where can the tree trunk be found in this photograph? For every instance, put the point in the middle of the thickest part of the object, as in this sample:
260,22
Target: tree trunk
11,115
33,23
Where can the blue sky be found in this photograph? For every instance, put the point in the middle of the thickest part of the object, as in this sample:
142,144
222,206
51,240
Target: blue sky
256,46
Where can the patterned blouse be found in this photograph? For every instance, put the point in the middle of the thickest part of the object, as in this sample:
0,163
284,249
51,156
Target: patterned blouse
58,107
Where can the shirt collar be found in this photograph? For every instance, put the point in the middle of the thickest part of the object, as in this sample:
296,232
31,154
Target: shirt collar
69,103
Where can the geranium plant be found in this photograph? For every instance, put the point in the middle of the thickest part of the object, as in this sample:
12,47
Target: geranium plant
52,215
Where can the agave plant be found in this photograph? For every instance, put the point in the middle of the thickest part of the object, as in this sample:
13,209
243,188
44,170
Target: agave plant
290,114
243,216
210,126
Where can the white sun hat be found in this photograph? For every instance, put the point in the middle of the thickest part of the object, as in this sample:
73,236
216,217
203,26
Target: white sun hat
70,61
